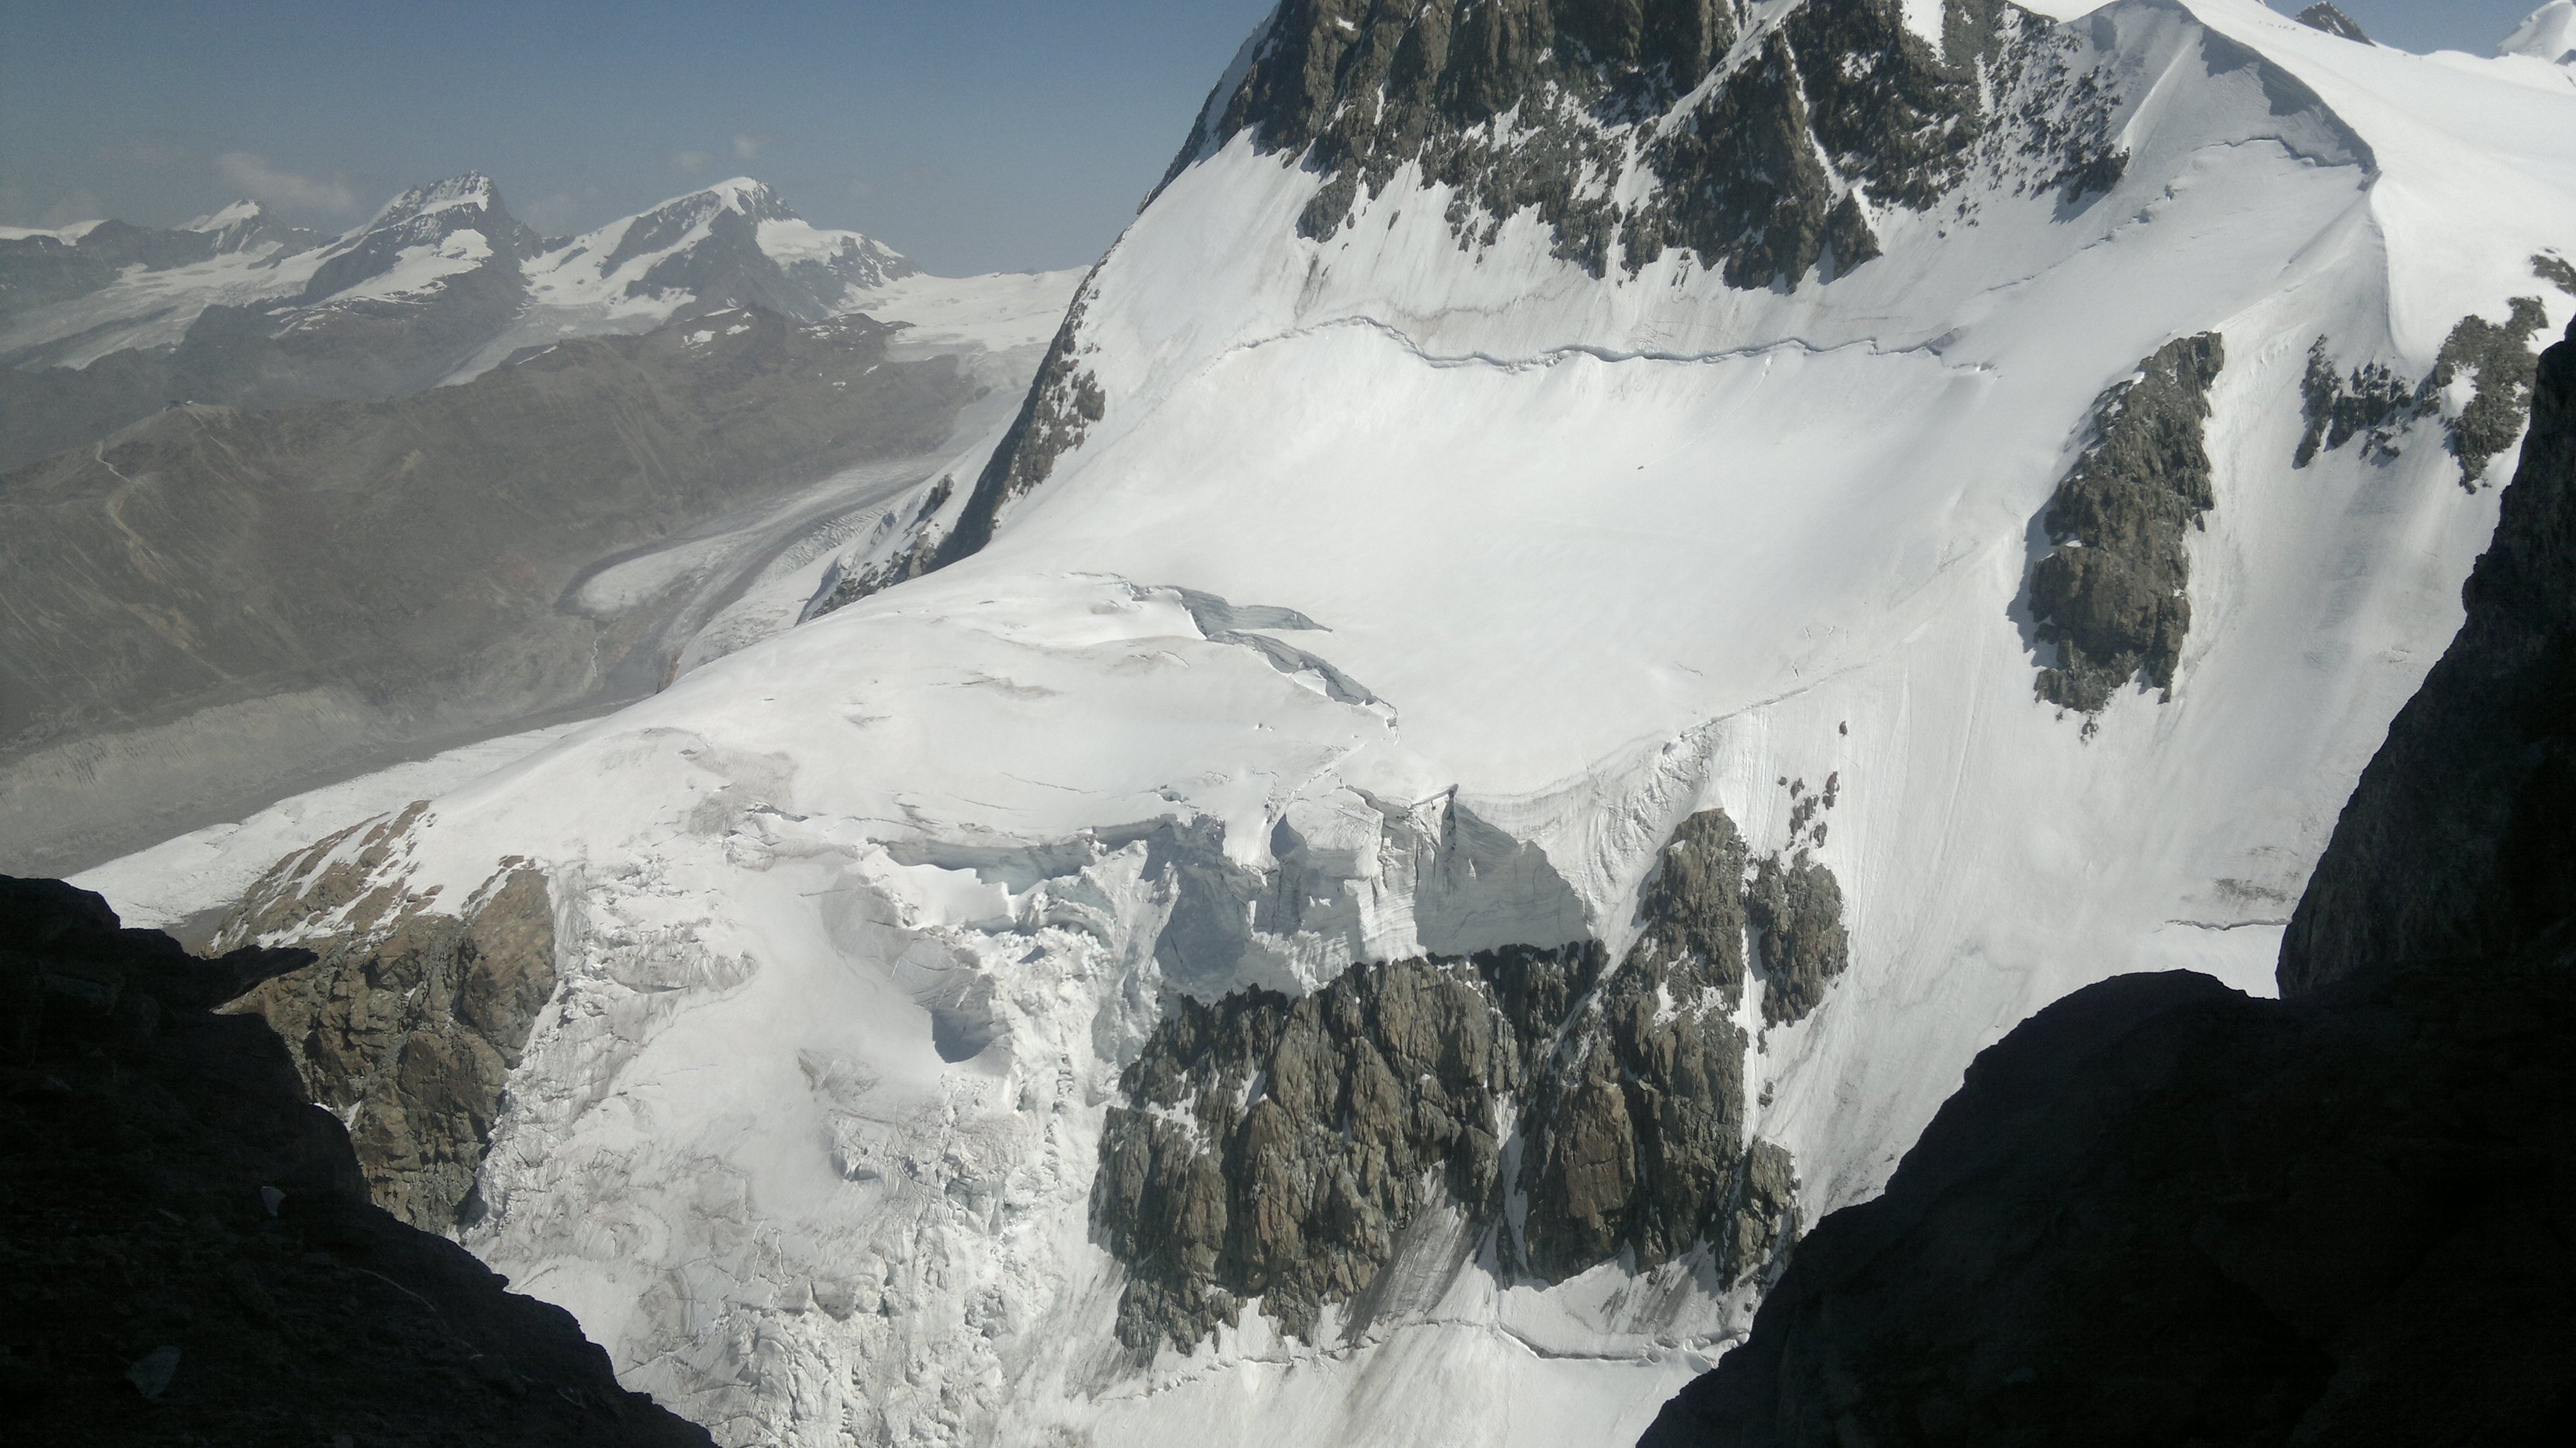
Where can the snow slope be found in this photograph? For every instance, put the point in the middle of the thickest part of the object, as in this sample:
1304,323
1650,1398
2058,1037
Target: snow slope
2549,33
1584,554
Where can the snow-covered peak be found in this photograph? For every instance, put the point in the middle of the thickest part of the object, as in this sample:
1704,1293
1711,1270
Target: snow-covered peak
227,217
2548,33
415,242
736,243
472,189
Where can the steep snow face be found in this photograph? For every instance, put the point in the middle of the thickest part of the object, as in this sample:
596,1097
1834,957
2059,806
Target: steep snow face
1385,515
2548,33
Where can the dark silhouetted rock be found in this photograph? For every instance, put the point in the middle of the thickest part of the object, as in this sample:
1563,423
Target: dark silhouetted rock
187,1254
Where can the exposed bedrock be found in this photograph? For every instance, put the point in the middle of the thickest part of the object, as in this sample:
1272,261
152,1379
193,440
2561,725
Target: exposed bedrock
2162,1212
1570,1115
187,1253
2111,595
2333,22
2495,358
409,1020
1772,173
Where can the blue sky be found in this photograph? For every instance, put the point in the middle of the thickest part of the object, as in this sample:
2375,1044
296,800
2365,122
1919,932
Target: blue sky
974,134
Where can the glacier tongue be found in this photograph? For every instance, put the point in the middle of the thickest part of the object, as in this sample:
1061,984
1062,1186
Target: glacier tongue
861,923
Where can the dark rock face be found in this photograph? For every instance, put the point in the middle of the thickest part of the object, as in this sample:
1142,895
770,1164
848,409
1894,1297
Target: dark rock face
411,1018
2333,22
1569,1116
2468,803
186,1250
2111,596
312,587
1531,105
2162,1212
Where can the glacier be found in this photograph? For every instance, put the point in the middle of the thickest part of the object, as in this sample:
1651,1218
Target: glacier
1379,534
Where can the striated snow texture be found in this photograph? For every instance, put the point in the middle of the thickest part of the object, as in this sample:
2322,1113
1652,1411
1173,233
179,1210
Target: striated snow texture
1434,576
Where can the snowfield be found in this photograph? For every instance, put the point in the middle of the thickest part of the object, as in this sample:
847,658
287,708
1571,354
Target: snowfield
1580,556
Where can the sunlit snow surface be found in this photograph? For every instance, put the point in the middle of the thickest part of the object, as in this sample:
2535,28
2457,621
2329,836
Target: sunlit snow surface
1599,553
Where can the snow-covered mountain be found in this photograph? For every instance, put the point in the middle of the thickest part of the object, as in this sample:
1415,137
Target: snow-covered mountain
106,323
2549,33
733,244
1591,601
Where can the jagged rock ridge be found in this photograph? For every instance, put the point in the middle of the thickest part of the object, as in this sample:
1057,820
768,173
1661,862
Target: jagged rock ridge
2333,22
1768,145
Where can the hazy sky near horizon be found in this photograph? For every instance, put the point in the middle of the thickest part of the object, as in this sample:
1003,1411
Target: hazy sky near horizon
976,135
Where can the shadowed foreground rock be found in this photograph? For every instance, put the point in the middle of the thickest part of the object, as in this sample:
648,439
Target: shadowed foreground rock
2162,1212
186,1248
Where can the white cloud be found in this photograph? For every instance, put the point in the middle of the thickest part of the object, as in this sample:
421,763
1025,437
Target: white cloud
860,190
746,147
688,161
253,177
81,205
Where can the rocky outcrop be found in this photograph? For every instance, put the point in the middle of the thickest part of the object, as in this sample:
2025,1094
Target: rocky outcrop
394,572
187,1254
2164,1212
411,1018
2111,594
2455,844
2375,404
1796,907
1569,1115
2333,22
1768,174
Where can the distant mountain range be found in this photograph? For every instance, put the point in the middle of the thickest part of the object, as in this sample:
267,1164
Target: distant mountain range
105,323
276,506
